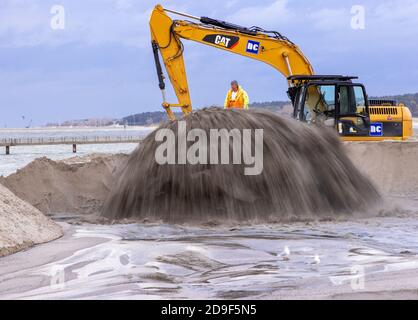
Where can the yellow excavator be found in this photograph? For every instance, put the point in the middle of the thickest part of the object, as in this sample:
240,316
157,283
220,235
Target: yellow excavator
330,100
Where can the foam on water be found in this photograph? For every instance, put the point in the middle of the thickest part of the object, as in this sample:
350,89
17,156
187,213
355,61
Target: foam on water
161,261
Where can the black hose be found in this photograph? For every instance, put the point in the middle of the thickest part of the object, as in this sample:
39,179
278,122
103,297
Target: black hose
160,74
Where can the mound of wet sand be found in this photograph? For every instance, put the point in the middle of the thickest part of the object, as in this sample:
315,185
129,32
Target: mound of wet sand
306,174
391,165
22,225
75,185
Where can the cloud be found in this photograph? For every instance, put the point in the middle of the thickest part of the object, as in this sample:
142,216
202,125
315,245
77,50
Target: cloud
231,3
18,19
102,61
328,19
124,4
397,11
263,15
25,23
396,18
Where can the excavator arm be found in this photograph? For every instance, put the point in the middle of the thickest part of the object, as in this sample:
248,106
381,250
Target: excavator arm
266,46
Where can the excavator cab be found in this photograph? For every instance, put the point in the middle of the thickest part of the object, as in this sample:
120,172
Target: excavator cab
335,101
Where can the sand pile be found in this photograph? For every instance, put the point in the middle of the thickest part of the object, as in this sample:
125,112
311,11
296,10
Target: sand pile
306,174
392,165
22,225
76,185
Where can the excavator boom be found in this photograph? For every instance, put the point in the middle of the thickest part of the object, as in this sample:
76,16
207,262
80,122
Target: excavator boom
269,47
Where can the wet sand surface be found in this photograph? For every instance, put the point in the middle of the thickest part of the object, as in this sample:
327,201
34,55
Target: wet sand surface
339,259
368,258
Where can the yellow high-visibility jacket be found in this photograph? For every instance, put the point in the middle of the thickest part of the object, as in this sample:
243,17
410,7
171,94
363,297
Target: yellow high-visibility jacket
241,100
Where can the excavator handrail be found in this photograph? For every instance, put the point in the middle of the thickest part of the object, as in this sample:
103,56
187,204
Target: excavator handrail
321,77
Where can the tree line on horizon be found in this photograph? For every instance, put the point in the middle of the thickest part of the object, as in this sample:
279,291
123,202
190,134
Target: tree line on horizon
157,117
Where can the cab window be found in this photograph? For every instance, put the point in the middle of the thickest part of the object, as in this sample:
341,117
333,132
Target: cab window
360,100
351,100
319,99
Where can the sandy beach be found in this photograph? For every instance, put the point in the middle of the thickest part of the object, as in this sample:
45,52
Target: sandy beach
373,257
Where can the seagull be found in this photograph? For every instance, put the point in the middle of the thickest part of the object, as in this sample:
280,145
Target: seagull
286,253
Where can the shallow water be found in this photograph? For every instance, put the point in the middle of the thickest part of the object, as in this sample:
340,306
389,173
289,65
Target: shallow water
21,156
162,261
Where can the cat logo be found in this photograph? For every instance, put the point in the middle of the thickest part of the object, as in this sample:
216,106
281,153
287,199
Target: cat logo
221,40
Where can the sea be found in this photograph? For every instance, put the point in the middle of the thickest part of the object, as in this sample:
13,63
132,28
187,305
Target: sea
20,156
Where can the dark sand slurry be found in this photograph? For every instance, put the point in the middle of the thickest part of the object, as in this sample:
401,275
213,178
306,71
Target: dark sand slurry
306,174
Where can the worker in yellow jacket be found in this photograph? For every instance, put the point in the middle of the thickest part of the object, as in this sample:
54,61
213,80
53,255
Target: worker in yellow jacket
236,97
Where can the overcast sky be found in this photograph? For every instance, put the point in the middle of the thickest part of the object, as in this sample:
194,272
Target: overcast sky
101,64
